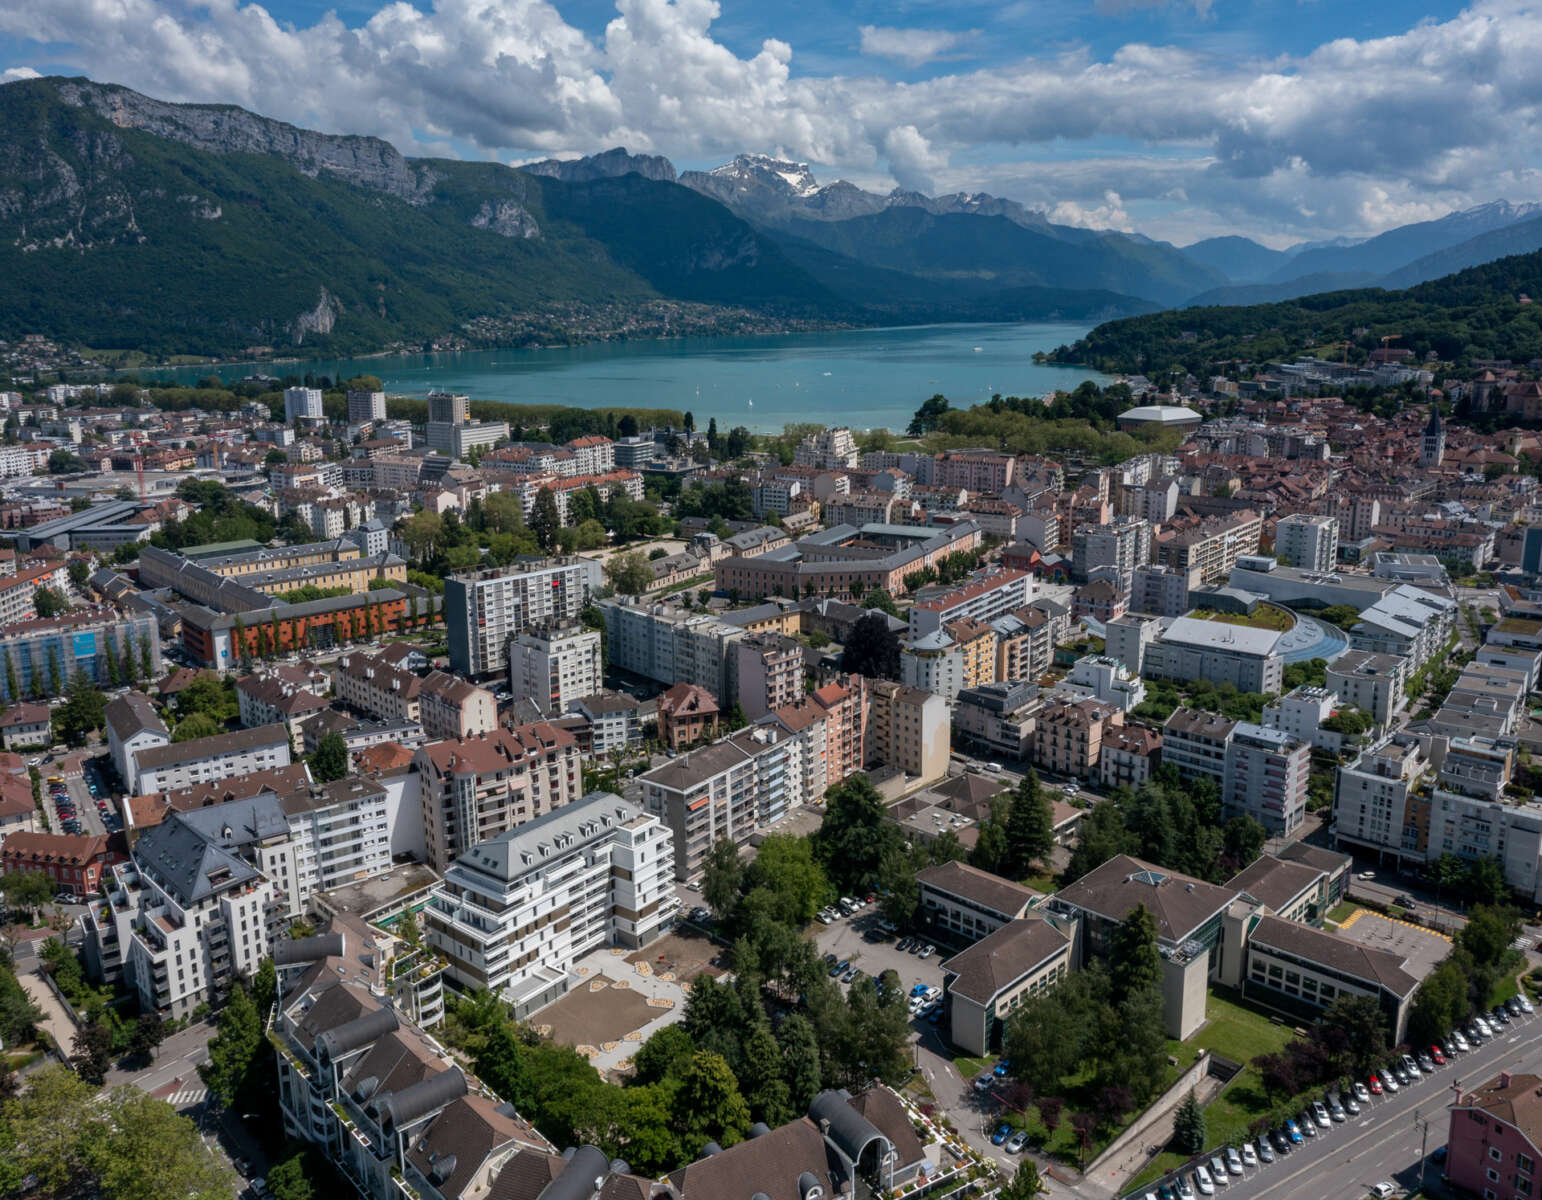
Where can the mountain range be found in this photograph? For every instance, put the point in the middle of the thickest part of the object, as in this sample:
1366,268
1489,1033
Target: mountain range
130,222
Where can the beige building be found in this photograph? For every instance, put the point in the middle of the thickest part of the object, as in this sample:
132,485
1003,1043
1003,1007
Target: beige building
375,686
475,788
554,667
1069,737
908,729
450,707
770,673
963,903
983,984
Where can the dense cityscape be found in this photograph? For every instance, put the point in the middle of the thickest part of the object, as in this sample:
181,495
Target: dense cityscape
404,801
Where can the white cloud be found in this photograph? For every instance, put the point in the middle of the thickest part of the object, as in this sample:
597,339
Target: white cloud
1108,215
1352,137
1119,8
13,73
913,47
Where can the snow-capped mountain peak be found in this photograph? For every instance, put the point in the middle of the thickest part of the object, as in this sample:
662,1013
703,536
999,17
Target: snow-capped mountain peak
794,177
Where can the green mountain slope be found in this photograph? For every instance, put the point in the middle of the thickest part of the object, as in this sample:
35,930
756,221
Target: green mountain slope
1482,312
116,236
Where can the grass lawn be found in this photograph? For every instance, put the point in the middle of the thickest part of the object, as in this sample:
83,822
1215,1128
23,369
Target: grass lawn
1342,912
1263,617
1044,882
972,1068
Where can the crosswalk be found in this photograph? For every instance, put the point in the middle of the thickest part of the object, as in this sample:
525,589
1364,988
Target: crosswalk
179,1096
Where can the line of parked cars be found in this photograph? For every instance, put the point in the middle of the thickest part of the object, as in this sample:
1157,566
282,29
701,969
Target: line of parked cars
1336,1107
844,907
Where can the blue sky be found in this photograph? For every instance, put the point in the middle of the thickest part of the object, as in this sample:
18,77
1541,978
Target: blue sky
1280,119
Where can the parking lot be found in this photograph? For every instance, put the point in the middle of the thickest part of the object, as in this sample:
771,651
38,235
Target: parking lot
848,939
1421,948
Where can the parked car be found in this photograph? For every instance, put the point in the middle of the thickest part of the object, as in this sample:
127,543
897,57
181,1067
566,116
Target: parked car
1249,1155
1362,1093
1307,1125
1501,1014
1402,1074
1265,1150
1336,1110
825,918
1001,1068
1438,1056
1526,1005
1426,1064
928,950
1319,1113
904,943
1017,1143
1218,1171
1185,1188
1292,1131
984,1082
1351,1105
1513,1005
1233,1161
1280,1141
1202,1182
1484,1027
839,968
1408,1064
1382,1190
1003,1132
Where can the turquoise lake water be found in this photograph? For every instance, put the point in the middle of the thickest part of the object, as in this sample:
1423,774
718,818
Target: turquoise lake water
866,378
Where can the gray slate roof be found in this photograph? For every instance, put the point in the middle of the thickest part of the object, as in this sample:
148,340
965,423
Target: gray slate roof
182,860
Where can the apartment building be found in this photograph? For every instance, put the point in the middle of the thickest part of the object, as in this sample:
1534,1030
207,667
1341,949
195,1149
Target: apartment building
1099,677
827,450
615,721
366,406
202,760
1407,622
1121,546
1190,649
988,595
485,609
907,728
17,590
985,982
1308,542
449,707
975,470
1130,753
1494,1137
515,913
1069,736
1025,644
374,685
845,704
999,718
73,862
183,919
1161,590
769,671
41,657
475,788
1300,712
279,698
1374,683
132,725
1194,742
593,454
726,791
671,646
1374,800
687,714
552,667
1210,547
934,662
302,403
1266,774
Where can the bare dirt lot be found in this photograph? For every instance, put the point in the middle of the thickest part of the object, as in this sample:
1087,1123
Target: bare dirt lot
586,1018
686,954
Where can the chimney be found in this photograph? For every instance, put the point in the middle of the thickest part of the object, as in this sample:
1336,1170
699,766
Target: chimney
1504,1080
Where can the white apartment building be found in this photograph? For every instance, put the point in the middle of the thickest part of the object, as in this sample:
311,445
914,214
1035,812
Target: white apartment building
516,912
1191,649
183,764
302,403
1301,712
183,918
366,406
374,685
729,789
1099,677
1266,776
485,609
1371,800
1123,545
339,834
555,667
1374,683
828,450
593,454
1407,622
1307,541
670,646
475,788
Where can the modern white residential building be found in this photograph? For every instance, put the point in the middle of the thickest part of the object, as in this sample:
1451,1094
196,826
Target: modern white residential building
1372,795
1194,742
664,644
829,449
1407,622
302,403
1099,677
986,596
1121,545
1373,683
554,667
729,789
1307,541
1301,712
184,918
1266,775
182,764
517,911
483,610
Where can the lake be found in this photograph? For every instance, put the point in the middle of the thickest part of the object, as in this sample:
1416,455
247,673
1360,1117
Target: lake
866,378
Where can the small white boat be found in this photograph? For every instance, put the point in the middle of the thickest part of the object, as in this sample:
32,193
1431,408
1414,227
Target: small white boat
978,349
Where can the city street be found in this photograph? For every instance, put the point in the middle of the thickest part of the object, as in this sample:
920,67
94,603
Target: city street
1384,1142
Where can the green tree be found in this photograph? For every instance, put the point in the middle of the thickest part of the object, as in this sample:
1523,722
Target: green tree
666,1054
79,572
545,520
1244,840
49,602
855,834
722,878
1134,964
1486,882
872,648
1103,837
12,689
786,868
1354,1028
629,573
235,1049
198,725
27,891
501,1064
881,600
51,1123
1439,1004
330,761
1025,1183
1189,1126
1044,1038
54,676
148,1033
800,1060
1030,828
210,695
82,712
708,1105
990,846
291,1180
143,1147
91,1053
1489,933
760,1076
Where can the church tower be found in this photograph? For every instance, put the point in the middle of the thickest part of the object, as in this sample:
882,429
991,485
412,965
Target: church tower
1434,447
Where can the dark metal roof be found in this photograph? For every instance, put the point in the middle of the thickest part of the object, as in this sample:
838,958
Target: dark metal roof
428,1096
303,950
361,1031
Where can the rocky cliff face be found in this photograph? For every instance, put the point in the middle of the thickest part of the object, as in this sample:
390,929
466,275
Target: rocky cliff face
507,218
609,165
224,129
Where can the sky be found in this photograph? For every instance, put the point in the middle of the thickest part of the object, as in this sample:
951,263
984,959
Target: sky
1281,120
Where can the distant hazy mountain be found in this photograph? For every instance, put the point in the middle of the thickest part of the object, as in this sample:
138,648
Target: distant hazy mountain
611,164
1267,293
1237,258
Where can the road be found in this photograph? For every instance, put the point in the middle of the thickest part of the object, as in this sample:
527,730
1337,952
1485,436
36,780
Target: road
173,1074
1342,1162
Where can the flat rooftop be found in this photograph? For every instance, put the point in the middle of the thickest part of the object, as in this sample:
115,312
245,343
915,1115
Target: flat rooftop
361,899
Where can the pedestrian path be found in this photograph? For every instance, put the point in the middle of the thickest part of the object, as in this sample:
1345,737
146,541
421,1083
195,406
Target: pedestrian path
181,1093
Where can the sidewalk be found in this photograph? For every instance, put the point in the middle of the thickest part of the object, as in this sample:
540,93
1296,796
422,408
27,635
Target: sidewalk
55,1019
